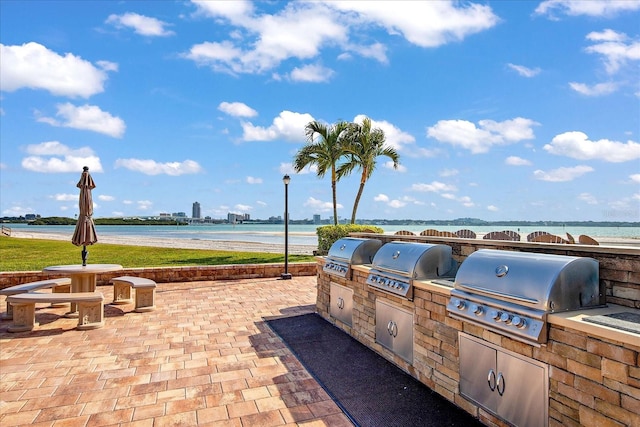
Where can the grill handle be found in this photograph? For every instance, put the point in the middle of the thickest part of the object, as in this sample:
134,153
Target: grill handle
491,380
494,292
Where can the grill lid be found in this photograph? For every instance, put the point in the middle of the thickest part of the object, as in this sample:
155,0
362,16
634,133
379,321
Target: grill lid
540,281
354,251
418,261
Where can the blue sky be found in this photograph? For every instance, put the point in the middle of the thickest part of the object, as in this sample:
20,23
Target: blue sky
500,110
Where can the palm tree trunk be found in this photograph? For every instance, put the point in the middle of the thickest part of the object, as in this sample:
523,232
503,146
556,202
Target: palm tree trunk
357,201
335,197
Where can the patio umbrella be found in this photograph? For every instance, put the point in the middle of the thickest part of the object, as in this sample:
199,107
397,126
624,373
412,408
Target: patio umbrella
85,232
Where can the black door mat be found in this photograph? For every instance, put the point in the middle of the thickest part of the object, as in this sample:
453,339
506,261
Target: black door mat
369,389
625,321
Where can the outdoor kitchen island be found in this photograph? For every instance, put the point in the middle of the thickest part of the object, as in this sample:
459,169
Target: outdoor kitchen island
584,373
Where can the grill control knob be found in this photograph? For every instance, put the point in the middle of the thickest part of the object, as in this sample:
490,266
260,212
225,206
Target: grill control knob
476,309
506,318
495,315
458,303
519,322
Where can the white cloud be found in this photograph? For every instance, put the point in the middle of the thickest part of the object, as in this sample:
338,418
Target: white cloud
237,109
588,198
492,208
253,180
68,75
311,73
562,174
588,7
17,211
595,90
517,161
613,49
297,31
381,198
151,167
263,41
288,126
106,198
55,157
396,204
426,23
143,25
524,71
448,172
635,177
394,137
464,134
242,208
434,187
320,206
65,197
389,165
87,117
144,205
577,145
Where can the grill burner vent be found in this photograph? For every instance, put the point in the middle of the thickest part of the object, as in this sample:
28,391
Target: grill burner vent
397,264
349,251
512,292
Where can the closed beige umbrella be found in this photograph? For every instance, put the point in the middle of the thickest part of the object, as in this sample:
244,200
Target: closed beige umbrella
85,232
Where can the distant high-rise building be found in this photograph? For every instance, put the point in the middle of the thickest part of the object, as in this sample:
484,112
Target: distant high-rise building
195,211
316,219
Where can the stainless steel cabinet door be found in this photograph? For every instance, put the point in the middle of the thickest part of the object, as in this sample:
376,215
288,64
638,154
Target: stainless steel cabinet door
341,303
394,329
478,373
522,388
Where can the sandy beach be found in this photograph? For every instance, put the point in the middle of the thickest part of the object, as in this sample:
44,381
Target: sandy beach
221,245
238,245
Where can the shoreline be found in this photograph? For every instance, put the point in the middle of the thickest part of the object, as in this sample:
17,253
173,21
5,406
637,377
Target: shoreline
160,242
238,245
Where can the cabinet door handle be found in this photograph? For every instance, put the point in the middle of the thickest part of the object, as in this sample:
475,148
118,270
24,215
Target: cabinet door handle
392,328
500,385
340,303
491,379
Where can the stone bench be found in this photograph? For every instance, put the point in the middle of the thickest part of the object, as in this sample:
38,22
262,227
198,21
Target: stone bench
145,292
90,308
58,285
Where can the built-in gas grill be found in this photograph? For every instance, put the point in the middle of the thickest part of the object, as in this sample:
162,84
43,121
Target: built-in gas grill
512,292
349,251
397,264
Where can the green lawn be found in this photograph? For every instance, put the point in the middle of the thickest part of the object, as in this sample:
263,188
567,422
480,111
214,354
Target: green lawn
18,254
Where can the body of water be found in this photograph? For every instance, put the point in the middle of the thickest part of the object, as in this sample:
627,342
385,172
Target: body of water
301,234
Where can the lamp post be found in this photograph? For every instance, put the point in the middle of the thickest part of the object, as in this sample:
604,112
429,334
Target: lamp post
286,275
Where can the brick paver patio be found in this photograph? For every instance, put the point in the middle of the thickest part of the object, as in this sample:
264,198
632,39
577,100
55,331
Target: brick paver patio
203,357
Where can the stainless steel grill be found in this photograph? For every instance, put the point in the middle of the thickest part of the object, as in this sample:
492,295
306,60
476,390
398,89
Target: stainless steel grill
397,264
512,292
349,251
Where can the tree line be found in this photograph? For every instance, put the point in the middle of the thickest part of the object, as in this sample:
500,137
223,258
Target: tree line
342,148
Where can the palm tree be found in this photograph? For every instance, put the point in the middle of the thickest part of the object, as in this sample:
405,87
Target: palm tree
363,146
324,152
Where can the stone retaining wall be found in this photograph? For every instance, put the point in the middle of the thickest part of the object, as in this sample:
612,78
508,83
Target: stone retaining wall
176,274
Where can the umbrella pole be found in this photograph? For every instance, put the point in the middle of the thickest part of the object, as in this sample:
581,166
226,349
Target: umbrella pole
84,255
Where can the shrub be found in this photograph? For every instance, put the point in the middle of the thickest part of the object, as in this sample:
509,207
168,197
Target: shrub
328,234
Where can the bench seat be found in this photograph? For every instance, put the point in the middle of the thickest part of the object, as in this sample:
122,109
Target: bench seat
58,285
145,298
90,308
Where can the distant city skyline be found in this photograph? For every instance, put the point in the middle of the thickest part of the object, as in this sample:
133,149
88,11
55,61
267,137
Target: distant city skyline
501,110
